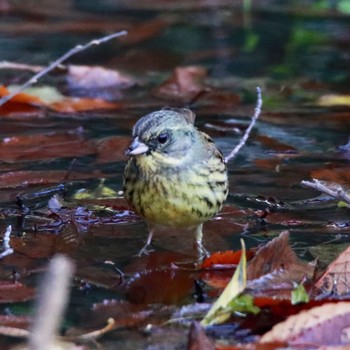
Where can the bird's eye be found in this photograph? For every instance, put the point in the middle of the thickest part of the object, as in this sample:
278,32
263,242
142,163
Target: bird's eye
162,138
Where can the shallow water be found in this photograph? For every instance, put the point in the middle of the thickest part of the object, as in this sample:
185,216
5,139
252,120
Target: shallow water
296,52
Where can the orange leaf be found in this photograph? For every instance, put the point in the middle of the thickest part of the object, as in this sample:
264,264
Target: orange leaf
21,97
229,257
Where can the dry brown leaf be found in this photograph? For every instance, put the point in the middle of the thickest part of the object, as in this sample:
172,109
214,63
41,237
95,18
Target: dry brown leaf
328,324
197,339
45,146
25,178
144,31
184,84
337,276
277,255
111,149
340,176
275,145
11,292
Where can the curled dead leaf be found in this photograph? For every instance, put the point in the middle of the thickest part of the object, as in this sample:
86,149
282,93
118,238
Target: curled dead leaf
276,255
328,324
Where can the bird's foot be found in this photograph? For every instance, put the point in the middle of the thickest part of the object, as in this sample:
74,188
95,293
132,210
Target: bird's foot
201,251
146,250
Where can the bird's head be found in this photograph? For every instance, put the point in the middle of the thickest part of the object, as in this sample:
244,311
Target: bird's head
167,132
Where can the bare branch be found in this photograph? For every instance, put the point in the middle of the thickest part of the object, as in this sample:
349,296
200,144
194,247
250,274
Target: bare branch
244,138
56,63
337,193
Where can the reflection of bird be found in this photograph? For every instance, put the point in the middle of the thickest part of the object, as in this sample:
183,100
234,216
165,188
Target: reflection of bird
176,177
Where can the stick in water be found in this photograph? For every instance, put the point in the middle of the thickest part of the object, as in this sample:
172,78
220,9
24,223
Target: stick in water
244,138
56,63
337,193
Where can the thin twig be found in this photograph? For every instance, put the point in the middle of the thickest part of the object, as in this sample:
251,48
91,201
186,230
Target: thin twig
20,66
56,63
337,193
244,138
8,250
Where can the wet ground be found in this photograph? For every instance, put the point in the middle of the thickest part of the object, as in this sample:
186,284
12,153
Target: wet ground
298,53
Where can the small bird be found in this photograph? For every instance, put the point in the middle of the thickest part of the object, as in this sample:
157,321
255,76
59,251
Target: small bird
175,177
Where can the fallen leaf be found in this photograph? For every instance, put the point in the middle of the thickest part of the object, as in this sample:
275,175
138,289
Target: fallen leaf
25,178
279,283
217,279
228,257
339,175
253,346
21,106
12,292
184,84
21,97
275,145
97,77
45,245
45,146
15,321
323,325
166,286
144,31
275,255
299,295
220,312
75,104
111,149
197,339
335,278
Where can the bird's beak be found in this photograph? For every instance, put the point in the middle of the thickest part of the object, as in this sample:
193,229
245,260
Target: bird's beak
136,147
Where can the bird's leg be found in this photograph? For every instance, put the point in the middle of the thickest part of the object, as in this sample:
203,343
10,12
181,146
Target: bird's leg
202,252
145,249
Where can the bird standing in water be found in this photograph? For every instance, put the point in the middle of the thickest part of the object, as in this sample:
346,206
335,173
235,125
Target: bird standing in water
175,177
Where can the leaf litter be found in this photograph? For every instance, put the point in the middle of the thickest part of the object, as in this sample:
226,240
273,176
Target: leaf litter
98,231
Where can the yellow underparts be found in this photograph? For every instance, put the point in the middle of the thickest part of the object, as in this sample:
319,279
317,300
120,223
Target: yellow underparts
177,196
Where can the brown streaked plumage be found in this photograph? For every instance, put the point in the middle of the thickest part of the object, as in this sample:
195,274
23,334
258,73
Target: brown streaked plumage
176,177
